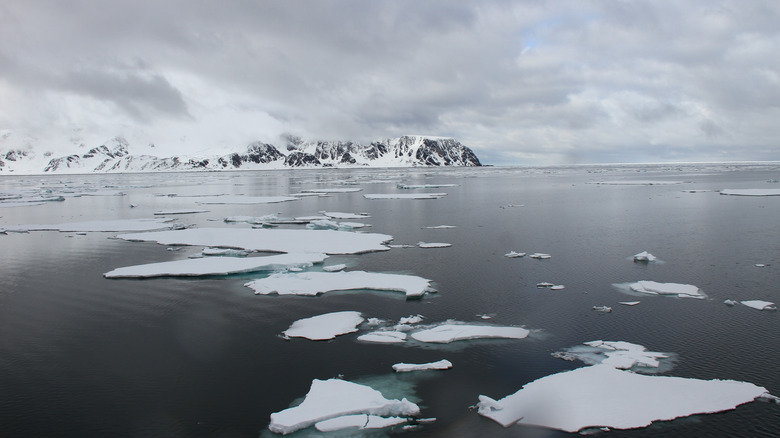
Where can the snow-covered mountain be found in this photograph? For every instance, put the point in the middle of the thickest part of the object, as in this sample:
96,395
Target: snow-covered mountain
115,156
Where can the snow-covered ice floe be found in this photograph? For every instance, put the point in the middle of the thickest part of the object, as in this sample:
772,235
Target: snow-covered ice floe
637,183
441,227
327,224
540,256
181,211
315,283
290,241
239,199
224,252
667,289
342,215
407,367
433,245
359,421
326,326
452,331
751,192
645,257
384,337
617,354
424,186
211,266
339,190
629,303
513,254
334,268
405,195
759,304
602,309
99,226
604,396
334,398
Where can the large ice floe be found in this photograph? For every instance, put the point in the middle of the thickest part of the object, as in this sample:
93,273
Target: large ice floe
359,421
443,364
99,226
290,241
326,326
212,266
751,192
452,331
315,283
404,195
604,396
759,304
666,289
617,354
239,199
335,398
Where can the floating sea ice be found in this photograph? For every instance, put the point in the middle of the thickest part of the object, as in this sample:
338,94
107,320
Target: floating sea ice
513,254
327,224
603,396
603,309
424,186
407,367
401,246
637,183
557,287
673,289
341,215
290,241
255,220
216,266
361,421
731,303
441,227
452,331
628,303
751,192
334,398
405,195
100,226
239,199
540,256
384,337
617,354
433,245
545,284
645,257
761,265
327,326
182,211
334,268
224,252
411,319
340,190
759,304
315,283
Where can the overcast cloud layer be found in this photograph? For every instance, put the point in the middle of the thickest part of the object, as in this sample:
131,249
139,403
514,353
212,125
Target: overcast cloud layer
536,82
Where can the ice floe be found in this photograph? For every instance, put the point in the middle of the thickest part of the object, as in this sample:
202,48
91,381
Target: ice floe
405,195
275,240
239,199
326,326
441,227
360,421
339,190
513,254
602,309
315,283
180,211
433,245
667,289
407,367
452,331
759,304
551,286
604,396
629,303
751,192
637,183
217,266
384,337
411,319
424,186
342,215
334,268
224,252
645,257
540,256
327,224
335,398
617,354
99,226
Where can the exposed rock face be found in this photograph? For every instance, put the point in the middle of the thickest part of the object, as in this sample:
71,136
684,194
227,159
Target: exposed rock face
406,151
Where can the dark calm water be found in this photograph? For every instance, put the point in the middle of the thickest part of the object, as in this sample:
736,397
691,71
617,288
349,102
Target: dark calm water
81,355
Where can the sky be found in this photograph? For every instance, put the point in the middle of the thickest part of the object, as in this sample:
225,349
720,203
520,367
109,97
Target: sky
540,82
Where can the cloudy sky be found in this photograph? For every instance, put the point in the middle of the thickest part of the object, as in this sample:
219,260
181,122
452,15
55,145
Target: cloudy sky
520,82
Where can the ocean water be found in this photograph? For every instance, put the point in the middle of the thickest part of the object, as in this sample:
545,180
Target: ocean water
81,355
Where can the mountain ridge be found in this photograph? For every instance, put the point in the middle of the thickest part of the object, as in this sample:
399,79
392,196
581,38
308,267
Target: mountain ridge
114,156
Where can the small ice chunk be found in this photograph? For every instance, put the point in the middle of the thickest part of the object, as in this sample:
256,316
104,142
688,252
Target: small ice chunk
751,192
452,331
216,266
540,256
731,303
424,186
405,195
759,304
433,245
604,309
411,319
384,337
342,215
673,289
326,326
557,287
407,367
621,354
441,227
339,190
628,303
644,257
181,211
761,265
334,268
315,283
486,315
334,398
545,284
360,421
240,199
603,396
513,254
323,224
